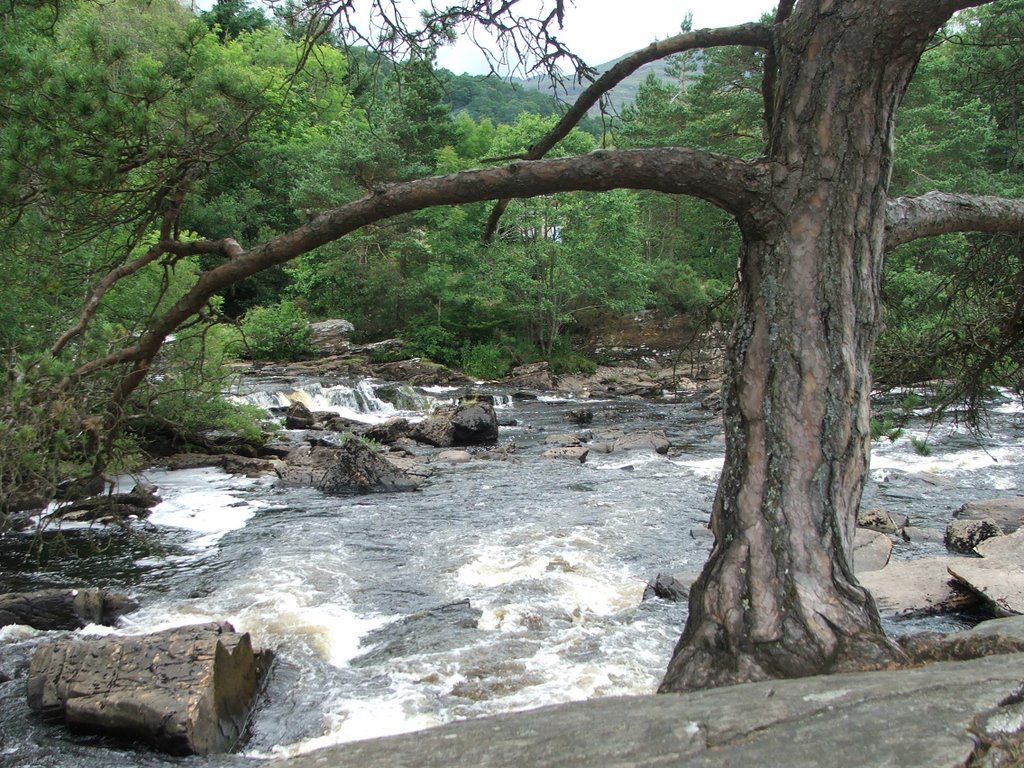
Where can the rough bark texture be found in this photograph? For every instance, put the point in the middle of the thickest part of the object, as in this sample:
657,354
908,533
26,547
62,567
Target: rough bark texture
778,597
185,691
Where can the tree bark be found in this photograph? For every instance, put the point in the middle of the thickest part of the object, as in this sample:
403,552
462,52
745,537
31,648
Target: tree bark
778,597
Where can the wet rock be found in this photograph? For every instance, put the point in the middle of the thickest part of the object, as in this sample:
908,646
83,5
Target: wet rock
614,441
562,439
965,535
420,373
111,507
668,587
917,587
248,467
881,520
390,431
1008,513
572,452
938,716
51,609
871,550
999,584
453,457
581,416
188,690
299,417
923,535
356,467
472,423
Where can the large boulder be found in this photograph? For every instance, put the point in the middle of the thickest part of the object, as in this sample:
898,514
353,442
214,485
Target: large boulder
999,584
938,716
50,609
356,467
188,690
472,423
965,535
1007,513
331,337
871,550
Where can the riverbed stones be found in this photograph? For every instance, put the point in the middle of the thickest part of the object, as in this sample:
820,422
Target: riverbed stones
356,467
51,609
571,452
937,716
184,691
111,507
965,535
471,423
1007,513
881,520
299,416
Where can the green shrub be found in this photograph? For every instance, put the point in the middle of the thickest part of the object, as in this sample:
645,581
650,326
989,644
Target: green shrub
486,361
277,332
570,361
435,343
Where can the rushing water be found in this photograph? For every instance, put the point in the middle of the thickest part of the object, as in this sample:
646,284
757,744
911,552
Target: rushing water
501,585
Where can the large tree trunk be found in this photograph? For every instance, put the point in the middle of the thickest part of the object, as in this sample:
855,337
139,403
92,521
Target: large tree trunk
778,597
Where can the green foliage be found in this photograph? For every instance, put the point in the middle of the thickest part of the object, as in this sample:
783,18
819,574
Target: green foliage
276,332
486,361
921,447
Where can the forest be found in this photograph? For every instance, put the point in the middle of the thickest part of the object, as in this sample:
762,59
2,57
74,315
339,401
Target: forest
145,146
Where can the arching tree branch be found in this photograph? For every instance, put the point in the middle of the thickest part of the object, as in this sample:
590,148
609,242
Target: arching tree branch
939,213
756,35
735,185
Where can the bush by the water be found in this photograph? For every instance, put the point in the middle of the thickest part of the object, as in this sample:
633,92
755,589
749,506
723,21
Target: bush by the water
277,332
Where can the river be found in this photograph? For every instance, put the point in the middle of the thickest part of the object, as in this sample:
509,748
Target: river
501,585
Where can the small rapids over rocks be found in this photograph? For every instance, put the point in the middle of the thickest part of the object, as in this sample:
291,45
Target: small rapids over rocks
499,586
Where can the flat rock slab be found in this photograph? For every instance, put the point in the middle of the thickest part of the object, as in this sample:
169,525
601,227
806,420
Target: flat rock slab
188,690
998,583
922,586
1007,513
914,718
1009,548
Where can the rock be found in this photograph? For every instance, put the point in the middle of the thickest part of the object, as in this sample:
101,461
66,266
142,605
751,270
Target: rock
453,457
871,550
1008,548
999,584
390,431
923,535
917,587
573,452
299,417
475,423
532,376
562,439
420,373
669,587
331,337
581,416
964,535
986,639
937,716
243,465
702,533
467,424
1008,514
184,691
356,467
882,521
111,507
612,441
50,609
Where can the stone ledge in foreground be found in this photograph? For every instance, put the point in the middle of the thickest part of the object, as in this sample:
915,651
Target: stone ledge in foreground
944,714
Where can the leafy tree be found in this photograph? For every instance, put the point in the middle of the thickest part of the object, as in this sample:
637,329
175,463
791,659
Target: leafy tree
778,596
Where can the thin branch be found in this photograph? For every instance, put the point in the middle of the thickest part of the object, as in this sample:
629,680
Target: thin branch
939,213
756,35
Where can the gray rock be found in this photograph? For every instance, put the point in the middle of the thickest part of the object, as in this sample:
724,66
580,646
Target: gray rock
1008,548
669,587
871,550
881,520
331,337
937,716
473,423
998,583
917,587
185,691
453,457
572,452
356,467
299,417
50,609
390,431
1008,514
923,535
965,535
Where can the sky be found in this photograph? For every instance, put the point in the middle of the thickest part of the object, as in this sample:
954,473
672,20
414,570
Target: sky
603,30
